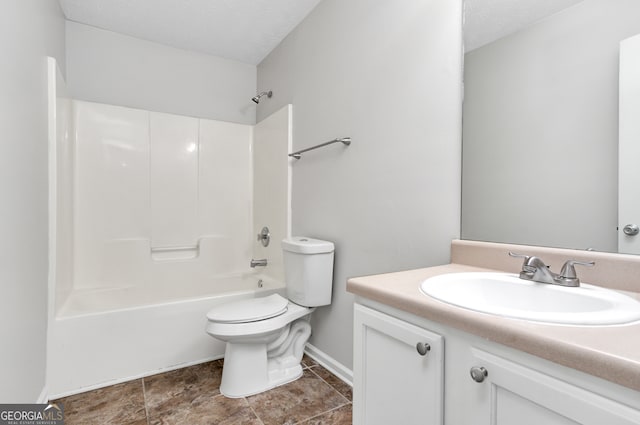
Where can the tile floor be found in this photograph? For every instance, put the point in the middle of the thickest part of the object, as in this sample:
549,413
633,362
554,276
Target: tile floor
190,396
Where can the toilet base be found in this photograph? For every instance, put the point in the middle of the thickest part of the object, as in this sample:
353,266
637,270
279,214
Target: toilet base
252,368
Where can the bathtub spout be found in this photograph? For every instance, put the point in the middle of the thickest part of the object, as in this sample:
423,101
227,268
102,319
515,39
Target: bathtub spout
261,263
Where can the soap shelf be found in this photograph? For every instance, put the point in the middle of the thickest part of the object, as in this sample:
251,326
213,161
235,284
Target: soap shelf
170,253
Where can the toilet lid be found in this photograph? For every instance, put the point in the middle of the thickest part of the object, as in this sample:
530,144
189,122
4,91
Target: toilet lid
250,310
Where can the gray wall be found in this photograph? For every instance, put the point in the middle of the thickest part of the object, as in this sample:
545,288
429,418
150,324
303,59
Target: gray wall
29,31
107,67
541,130
387,74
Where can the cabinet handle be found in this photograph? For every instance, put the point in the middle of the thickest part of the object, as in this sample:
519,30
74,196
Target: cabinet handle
478,373
423,348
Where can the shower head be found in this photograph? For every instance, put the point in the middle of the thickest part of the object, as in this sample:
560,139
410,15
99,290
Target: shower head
256,99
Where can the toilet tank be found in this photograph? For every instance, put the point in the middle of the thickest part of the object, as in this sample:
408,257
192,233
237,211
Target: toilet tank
308,270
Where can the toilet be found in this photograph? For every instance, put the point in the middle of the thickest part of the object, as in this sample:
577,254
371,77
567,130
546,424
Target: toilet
266,336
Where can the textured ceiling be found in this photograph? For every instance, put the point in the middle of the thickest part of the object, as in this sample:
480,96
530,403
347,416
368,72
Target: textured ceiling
489,20
242,30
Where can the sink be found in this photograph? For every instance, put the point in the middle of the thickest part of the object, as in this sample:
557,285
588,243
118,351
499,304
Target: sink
504,294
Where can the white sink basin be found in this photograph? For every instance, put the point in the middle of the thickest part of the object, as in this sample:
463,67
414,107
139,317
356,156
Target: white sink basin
504,294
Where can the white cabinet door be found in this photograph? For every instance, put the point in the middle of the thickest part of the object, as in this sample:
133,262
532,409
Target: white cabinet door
393,382
516,395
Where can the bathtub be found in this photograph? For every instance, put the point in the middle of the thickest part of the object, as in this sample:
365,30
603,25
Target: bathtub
104,336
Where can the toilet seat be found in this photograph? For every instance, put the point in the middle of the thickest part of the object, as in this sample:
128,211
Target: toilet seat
251,310
240,330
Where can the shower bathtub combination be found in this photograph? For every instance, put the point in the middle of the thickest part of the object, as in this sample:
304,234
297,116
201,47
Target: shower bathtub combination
153,219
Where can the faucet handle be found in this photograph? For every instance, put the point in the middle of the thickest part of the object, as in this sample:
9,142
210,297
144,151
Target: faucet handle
526,267
530,265
515,255
530,260
568,270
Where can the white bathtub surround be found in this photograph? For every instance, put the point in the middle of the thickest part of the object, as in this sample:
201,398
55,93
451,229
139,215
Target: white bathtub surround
272,186
153,226
173,179
61,153
142,197
60,203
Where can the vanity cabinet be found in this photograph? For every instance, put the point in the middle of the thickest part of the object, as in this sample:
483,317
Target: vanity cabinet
394,384
512,393
398,371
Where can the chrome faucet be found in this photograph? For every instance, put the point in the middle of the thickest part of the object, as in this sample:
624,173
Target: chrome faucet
533,268
256,263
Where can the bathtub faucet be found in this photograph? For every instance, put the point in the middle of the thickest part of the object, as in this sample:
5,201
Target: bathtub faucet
261,263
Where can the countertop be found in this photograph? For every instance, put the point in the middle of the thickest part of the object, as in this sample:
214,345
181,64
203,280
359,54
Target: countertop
608,352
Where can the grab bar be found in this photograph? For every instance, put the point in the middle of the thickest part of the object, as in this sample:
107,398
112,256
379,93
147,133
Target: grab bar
298,154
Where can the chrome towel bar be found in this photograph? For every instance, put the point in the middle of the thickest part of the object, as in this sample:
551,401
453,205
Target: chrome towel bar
298,154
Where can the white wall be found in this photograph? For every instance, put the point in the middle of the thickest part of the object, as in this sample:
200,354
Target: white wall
387,74
541,130
116,69
29,31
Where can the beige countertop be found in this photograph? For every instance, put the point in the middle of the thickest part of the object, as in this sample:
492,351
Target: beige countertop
608,352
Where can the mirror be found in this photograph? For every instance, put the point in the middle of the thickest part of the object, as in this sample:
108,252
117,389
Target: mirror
540,130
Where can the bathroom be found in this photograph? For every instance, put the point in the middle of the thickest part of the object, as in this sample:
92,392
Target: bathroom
387,75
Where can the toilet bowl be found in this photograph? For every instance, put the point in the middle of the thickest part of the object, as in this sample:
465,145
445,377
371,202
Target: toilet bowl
265,337
261,353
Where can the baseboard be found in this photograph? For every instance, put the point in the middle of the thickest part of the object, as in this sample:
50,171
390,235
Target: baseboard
329,363
44,396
